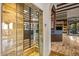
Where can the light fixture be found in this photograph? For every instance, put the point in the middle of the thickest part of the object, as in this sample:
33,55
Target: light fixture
10,25
4,26
34,19
25,11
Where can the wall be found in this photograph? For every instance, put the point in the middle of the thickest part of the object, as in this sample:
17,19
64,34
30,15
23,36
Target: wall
73,12
46,27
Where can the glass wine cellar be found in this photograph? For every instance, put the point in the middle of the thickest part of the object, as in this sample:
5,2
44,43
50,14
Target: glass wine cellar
20,30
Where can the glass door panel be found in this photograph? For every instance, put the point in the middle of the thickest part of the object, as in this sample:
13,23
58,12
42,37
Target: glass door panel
21,26
35,30
9,29
26,40
31,30
19,30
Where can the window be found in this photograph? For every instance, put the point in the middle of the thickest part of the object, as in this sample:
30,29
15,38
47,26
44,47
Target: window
73,25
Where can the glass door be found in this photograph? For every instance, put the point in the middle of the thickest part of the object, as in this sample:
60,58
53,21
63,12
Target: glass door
9,29
26,40
35,30
31,30
19,30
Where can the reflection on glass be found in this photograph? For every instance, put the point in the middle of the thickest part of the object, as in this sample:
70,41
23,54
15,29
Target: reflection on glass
31,29
19,29
26,41
35,29
9,29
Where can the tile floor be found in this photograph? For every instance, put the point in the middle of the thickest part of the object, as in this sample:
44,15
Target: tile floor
62,49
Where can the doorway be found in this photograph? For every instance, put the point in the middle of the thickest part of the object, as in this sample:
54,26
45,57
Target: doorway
57,24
